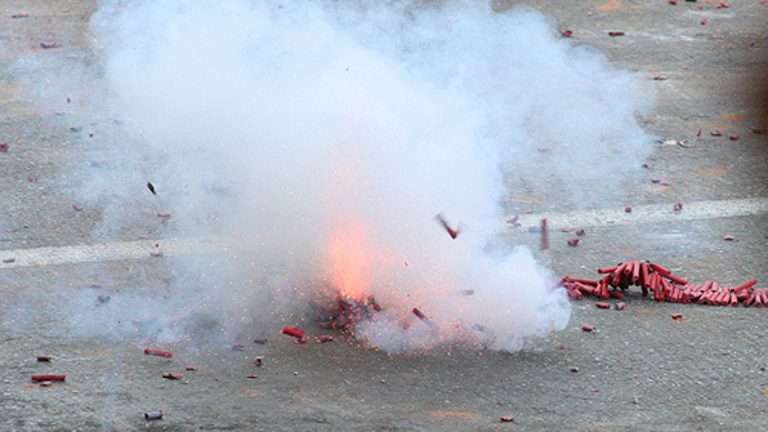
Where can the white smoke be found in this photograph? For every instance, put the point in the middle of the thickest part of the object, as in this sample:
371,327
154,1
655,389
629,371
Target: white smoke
290,126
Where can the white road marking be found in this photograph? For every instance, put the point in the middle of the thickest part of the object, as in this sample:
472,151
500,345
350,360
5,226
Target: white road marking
645,214
135,250
116,251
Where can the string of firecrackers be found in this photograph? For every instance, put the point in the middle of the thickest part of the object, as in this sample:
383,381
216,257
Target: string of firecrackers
658,280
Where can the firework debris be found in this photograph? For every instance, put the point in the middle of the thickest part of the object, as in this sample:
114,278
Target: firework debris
49,44
615,33
151,188
293,331
627,208
566,33
190,368
324,339
544,235
158,353
44,358
258,361
153,415
658,281
444,222
20,15
574,242
260,340
581,232
733,137
4,147
39,378
237,347
172,376
677,317
507,419
677,207
587,328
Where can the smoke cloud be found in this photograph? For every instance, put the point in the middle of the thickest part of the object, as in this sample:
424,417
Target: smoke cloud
325,136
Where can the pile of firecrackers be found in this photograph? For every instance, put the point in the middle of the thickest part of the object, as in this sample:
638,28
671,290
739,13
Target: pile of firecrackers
659,281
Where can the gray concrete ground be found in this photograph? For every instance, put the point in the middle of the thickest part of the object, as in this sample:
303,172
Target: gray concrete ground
639,371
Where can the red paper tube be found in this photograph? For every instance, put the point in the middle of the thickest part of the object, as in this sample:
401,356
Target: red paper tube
707,285
605,270
676,279
636,272
575,295
629,267
643,274
293,331
158,353
581,280
662,270
750,298
49,377
616,295
745,285
601,305
734,299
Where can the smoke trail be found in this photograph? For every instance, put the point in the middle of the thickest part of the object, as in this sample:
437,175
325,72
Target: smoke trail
326,136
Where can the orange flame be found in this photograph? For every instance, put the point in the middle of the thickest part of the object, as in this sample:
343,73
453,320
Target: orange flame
350,259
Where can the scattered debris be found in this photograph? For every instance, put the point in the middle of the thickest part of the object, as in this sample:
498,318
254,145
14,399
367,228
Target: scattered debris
9,260
723,5
260,340
258,361
574,369
574,242
238,347
190,368
756,131
661,181
648,166
293,331
419,314
733,137
566,33
677,207
728,237
33,178
251,376
153,415
4,147
151,188
77,207
44,358
587,328
620,306
615,33
49,44
627,208
466,293
158,353
46,383
673,2
677,316
507,419
301,340
716,133
20,15
660,78
324,338
581,232
156,254
39,378
698,133
544,235
103,299
172,376
704,21
603,305
513,221
452,232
